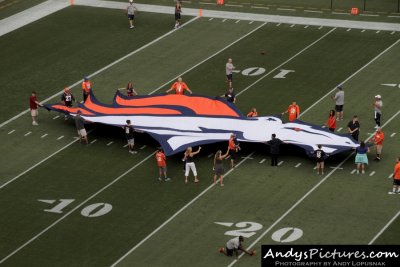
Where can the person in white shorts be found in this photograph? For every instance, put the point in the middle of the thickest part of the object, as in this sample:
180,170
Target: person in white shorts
188,158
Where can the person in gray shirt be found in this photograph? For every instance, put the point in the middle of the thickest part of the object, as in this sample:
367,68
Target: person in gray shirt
339,102
130,12
80,127
378,110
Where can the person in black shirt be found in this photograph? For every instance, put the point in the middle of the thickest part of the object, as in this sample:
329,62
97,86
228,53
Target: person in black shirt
320,156
128,128
354,127
67,98
230,95
274,144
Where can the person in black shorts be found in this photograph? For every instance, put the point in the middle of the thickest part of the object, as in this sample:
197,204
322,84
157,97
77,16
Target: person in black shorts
233,147
354,127
178,11
320,156
219,166
67,98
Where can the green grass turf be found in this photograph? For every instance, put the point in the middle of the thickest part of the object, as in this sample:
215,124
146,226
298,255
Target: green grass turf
65,46
253,192
11,7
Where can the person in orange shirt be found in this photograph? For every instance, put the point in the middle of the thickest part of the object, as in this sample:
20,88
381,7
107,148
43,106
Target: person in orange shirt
253,113
86,88
179,86
378,138
331,123
162,165
396,178
293,110
233,147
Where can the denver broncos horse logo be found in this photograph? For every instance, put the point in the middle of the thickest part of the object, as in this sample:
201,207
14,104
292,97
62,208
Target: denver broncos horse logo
179,121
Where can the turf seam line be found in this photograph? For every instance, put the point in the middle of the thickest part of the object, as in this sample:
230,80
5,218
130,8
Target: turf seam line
74,209
384,228
285,62
351,76
298,202
176,214
101,70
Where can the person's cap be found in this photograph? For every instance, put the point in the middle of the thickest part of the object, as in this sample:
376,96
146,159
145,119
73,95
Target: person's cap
340,87
86,78
378,96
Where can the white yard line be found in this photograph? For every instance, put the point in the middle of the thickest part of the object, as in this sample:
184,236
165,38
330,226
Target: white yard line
384,228
74,209
306,195
351,76
297,165
372,173
43,136
28,133
10,132
110,143
100,70
280,65
353,171
262,161
176,214
280,163
93,141
393,134
61,137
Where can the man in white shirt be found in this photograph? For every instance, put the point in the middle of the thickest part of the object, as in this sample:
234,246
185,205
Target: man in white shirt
130,12
339,102
229,70
234,245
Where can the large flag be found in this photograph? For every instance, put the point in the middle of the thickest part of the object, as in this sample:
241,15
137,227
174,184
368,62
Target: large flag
179,121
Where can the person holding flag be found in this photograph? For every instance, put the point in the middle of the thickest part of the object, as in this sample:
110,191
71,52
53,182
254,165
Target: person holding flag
378,138
253,113
86,87
293,111
180,87
233,148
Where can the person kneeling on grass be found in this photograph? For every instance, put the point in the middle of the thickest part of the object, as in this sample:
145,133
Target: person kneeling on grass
234,245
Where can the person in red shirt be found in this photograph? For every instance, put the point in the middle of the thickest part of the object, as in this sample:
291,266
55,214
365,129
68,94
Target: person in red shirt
162,165
396,178
253,113
233,147
378,138
293,111
86,88
33,105
331,123
179,86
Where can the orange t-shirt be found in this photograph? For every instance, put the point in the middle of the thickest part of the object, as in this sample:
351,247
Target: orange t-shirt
86,86
252,114
331,122
160,158
294,112
378,138
231,144
396,173
179,87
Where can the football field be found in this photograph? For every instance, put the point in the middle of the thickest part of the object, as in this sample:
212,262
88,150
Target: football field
68,204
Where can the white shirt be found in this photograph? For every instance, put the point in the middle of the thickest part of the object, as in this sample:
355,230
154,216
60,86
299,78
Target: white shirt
233,243
229,68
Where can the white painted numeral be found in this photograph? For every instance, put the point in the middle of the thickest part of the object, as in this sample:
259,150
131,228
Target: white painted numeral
287,234
60,206
96,210
93,210
254,71
245,232
282,74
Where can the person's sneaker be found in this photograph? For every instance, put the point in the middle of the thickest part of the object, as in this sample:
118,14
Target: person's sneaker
131,27
391,193
167,179
358,172
322,173
132,151
363,172
159,178
221,250
34,123
378,158
376,127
